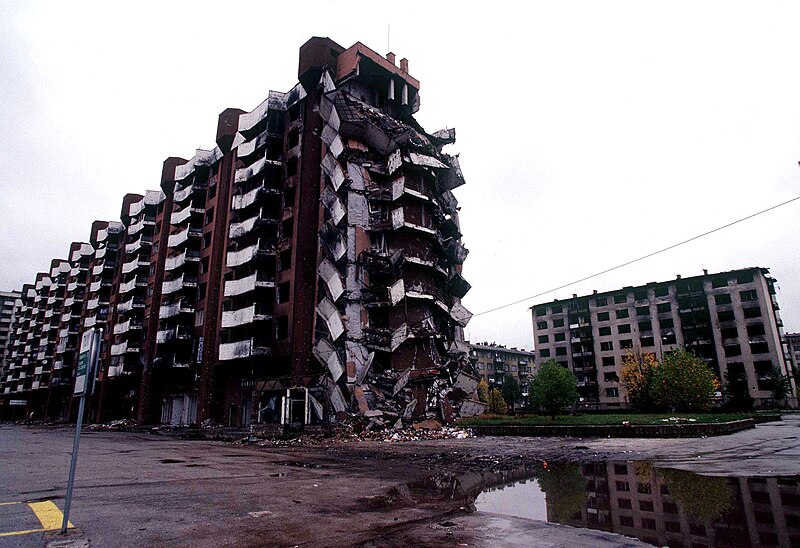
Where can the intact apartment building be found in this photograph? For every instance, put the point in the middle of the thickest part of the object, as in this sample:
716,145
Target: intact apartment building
306,265
494,361
729,319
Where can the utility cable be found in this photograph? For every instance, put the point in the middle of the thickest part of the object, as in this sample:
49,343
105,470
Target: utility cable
607,270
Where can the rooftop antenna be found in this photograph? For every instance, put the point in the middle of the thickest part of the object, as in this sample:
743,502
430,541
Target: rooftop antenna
388,37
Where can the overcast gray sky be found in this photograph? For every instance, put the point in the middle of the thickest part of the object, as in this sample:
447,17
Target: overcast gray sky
590,133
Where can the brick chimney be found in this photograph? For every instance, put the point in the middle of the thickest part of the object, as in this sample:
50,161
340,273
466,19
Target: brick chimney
404,64
390,57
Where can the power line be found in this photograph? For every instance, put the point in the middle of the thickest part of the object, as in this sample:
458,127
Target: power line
607,270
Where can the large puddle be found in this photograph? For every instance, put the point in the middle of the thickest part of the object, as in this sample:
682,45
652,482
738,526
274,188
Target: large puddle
661,506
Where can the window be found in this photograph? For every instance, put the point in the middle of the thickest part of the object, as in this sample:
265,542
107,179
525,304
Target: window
722,298
624,328
210,216
626,344
604,331
207,239
541,325
607,345
608,361
291,167
643,488
602,316
640,294
725,316
558,323
544,353
620,298
646,326
748,295
611,376
561,351
646,505
625,504
755,329
642,310
543,339
752,312
620,469
669,338
285,259
283,292
672,526
667,323
729,333
623,486
612,392
626,521
664,307
540,310
622,313
718,282
558,309
648,523
282,328
744,278
670,508
601,301
733,350
759,348
293,139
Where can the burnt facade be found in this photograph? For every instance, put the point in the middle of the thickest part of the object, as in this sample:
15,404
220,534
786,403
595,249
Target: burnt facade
305,268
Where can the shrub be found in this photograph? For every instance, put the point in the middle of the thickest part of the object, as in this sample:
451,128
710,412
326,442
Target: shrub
553,388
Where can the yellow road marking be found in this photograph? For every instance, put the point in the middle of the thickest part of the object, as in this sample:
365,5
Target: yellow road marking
46,512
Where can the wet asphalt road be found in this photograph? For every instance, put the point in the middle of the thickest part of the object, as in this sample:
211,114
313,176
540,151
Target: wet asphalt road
147,490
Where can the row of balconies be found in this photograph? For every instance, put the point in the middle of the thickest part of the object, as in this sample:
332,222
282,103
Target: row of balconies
135,263
243,201
133,283
176,333
126,326
243,286
183,236
131,304
243,228
245,316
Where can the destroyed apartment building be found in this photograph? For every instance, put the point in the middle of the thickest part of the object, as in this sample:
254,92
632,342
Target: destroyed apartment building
306,269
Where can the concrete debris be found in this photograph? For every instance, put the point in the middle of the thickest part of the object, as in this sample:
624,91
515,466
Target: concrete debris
427,425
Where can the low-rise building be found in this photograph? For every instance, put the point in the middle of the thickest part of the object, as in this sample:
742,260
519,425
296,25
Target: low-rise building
729,319
494,361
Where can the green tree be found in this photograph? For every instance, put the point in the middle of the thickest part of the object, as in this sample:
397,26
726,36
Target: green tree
483,391
512,393
683,382
496,402
553,388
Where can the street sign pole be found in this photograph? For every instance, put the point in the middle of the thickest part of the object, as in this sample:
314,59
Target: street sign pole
84,382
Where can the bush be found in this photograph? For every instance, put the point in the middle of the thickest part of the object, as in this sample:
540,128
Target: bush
553,388
637,376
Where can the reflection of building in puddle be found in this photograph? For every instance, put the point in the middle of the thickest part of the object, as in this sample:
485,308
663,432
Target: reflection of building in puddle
664,507
678,508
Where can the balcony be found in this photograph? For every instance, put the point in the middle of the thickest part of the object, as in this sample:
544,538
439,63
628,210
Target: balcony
174,263
165,336
248,284
179,217
247,173
119,349
93,303
100,253
385,339
244,256
245,227
183,236
182,194
244,316
136,208
131,304
137,262
242,349
138,281
90,321
126,326
242,201
172,310
171,286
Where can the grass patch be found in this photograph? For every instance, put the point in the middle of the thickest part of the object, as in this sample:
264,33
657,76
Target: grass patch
603,419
